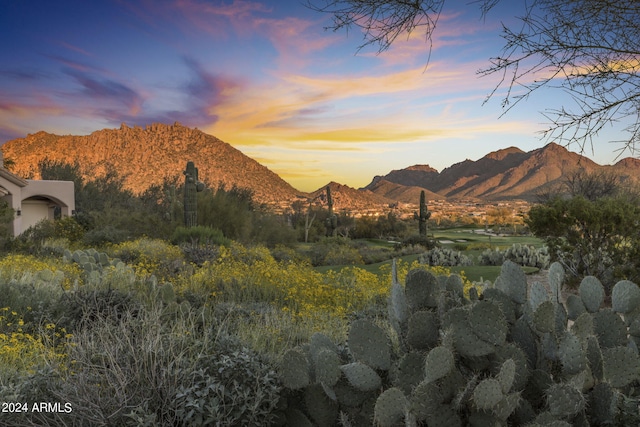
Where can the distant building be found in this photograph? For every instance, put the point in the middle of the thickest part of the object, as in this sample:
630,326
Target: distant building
34,200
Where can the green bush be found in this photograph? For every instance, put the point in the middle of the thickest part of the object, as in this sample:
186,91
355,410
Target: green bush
161,366
230,388
199,235
68,228
342,255
418,240
98,237
198,254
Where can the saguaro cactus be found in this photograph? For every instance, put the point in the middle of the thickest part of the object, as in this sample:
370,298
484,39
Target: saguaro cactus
423,216
191,187
332,220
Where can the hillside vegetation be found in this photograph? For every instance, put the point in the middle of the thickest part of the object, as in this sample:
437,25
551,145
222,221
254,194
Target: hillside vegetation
121,316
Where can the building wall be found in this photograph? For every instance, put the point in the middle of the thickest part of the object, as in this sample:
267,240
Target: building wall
33,211
34,200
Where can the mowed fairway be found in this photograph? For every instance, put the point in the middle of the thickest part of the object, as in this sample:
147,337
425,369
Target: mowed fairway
470,242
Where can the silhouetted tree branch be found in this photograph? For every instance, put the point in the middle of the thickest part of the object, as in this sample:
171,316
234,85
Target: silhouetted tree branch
589,49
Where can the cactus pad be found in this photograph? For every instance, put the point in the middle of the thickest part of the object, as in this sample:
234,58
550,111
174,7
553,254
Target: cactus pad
487,394
409,371
544,317
327,367
583,326
506,304
398,309
571,354
513,282
507,375
425,400
537,295
361,376
609,328
323,410
438,364
602,404
319,342
421,288
564,400
592,293
369,344
594,356
621,366
625,296
423,330
506,406
575,307
504,354
455,285
488,322
556,277
295,369
390,407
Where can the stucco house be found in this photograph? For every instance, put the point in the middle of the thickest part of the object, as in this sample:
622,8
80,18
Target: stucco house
34,200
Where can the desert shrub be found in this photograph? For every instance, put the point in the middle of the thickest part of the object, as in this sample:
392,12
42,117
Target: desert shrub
31,239
143,370
335,251
372,255
31,285
445,257
199,235
342,255
84,306
68,228
251,275
591,237
478,246
230,388
6,216
198,254
150,257
460,246
271,230
287,254
54,247
25,347
102,236
418,240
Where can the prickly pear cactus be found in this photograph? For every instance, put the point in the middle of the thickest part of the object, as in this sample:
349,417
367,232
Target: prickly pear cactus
514,356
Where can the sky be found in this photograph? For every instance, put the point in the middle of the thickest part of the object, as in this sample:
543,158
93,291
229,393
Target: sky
266,77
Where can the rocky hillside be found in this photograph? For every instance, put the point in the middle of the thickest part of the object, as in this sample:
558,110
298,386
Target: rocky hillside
146,156
501,175
345,197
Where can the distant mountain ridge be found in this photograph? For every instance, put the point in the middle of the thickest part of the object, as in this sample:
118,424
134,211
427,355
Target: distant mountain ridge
505,174
149,155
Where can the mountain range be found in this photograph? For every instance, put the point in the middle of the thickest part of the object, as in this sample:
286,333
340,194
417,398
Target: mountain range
158,152
505,174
